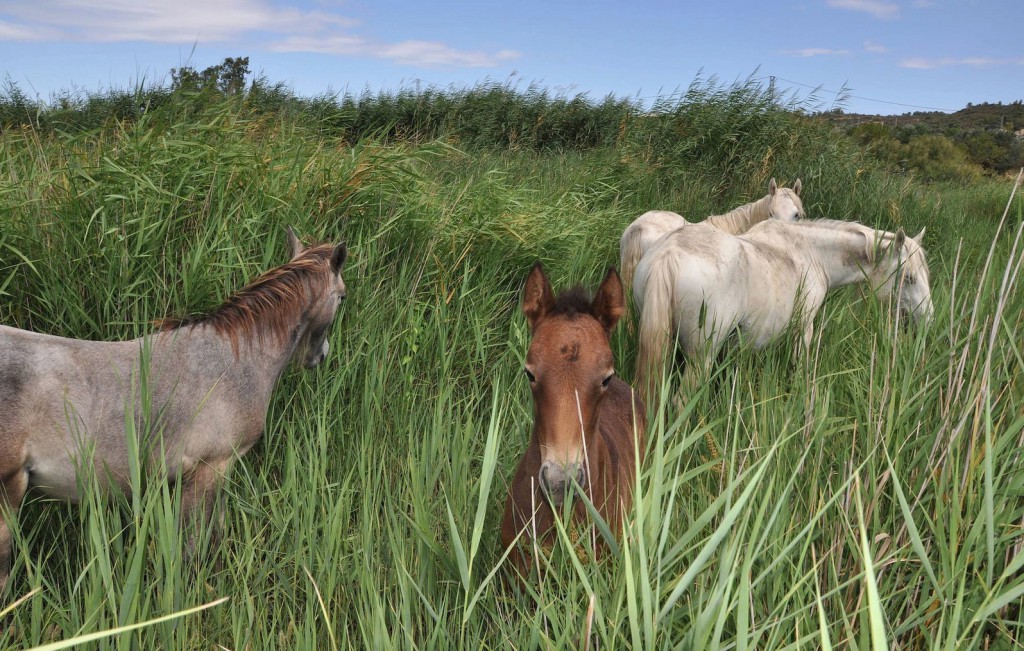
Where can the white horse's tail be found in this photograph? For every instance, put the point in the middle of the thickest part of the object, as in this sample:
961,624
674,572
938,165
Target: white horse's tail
630,252
657,324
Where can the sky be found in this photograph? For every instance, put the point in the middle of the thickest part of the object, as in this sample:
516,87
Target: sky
889,56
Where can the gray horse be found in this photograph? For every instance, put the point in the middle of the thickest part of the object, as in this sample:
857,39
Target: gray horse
205,382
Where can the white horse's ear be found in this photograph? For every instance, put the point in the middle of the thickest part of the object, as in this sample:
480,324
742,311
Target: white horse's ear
294,245
899,240
772,186
610,301
919,238
797,186
871,245
537,297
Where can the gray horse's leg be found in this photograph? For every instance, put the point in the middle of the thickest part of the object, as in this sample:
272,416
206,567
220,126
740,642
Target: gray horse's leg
200,491
12,491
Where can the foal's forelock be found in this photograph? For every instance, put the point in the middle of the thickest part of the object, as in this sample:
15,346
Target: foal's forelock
269,306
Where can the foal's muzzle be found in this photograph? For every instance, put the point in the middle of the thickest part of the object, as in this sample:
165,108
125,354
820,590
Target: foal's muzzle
556,480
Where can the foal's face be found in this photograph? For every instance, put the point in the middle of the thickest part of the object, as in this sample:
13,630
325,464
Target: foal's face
569,367
785,203
320,317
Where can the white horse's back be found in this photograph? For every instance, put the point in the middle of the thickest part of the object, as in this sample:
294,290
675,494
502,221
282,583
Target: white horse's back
673,284
641,235
698,284
780,203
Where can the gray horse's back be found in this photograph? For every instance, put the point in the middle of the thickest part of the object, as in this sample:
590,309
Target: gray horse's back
56,393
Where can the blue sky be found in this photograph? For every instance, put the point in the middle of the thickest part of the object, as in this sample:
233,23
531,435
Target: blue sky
891,55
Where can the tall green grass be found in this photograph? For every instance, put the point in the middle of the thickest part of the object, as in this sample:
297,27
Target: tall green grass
867,494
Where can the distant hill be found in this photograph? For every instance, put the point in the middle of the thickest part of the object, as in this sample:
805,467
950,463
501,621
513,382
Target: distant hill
984,116
978,139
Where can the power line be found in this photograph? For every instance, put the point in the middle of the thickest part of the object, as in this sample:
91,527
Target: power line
867,99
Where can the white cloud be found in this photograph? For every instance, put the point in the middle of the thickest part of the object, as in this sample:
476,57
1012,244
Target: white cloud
875,48
411,52
159,21
924,63
281,28
439,54
18,32
816,52
877,8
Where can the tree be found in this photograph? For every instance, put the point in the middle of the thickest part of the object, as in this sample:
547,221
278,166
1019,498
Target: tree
981,148
228,77
231,75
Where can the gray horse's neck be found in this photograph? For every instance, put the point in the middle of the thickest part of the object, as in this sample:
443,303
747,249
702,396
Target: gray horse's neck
255,367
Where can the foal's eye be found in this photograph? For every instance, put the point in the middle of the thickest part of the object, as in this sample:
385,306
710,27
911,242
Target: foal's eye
910,280
608,380
530,376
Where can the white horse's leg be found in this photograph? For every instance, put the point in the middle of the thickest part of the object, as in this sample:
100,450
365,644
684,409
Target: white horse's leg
701,351
808,335
807,320
697,369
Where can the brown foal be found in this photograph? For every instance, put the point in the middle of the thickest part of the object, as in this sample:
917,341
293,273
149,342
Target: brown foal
588,424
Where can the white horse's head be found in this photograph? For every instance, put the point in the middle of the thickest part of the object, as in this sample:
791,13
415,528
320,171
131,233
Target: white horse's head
785,202
903,269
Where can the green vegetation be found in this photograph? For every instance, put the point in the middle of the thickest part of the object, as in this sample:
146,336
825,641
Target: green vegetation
868,494
987,138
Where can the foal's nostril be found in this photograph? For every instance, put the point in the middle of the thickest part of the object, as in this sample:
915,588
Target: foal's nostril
581,476
552,482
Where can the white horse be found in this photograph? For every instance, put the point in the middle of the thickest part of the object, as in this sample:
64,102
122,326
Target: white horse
700,283
648,228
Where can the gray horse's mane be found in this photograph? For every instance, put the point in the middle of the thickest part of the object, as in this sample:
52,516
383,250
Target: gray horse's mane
268,305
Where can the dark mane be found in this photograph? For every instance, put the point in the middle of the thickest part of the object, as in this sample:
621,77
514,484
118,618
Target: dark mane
269,304
572,302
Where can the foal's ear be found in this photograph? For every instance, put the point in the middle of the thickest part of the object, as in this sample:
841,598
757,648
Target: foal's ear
338,257
919,238
537,297
294,245
772,186
610,301
797,186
